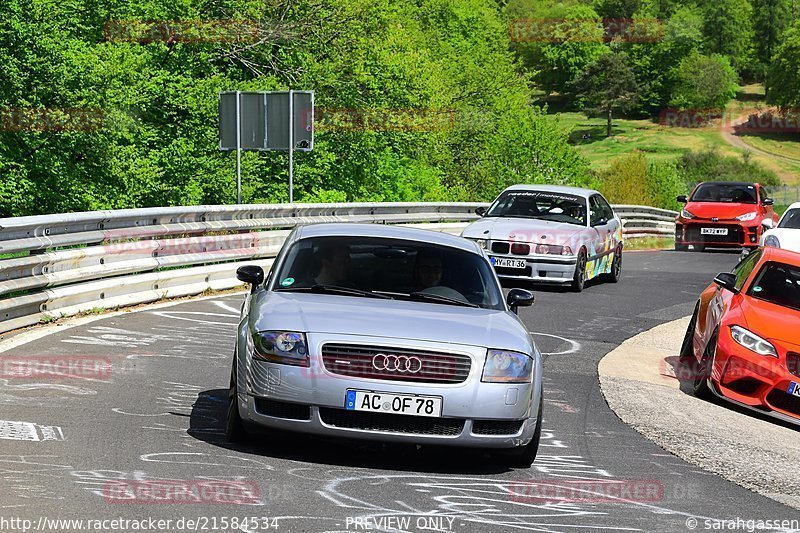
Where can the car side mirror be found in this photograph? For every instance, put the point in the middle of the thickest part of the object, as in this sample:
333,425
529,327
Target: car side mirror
519,298
252,274
727,281
768,201
768,223
480,211
682,199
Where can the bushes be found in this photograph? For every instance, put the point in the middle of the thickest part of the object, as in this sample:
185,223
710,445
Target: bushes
709,165
636,180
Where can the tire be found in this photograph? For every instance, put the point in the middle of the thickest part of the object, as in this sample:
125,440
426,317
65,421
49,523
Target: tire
703,368
699,247
524,456
681,247
616,267
234,427
579,278
686,359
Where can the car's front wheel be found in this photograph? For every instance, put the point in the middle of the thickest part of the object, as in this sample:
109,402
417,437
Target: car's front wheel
234,427
579,278
524,456
703,368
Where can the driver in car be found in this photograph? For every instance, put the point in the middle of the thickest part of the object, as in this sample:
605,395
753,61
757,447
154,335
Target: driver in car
427,270
333,265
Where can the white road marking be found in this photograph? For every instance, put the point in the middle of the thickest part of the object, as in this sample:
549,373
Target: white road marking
28,431
574,346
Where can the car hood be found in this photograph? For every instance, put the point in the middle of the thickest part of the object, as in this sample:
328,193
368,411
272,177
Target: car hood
771,321
723,211
522,229
349,315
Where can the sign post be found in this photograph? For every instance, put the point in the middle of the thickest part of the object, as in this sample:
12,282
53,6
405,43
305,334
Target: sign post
259,120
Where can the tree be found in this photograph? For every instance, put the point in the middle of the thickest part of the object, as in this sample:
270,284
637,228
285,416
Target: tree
608,84
682,35
704,83
728,30
562,45
783,76
770,19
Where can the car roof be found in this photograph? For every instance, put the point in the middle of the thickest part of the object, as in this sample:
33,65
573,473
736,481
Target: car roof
385,231
746,183
780,255
795,205
560,189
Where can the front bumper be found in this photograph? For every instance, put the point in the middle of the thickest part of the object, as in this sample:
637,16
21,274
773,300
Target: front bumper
757,382
539,268
312,400
738,234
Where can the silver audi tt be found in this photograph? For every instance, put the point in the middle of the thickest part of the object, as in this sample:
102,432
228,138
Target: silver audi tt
386,333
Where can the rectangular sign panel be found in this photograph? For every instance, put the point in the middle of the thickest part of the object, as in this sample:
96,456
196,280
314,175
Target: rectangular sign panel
252,121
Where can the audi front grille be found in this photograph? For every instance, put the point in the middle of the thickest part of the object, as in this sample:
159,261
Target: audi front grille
396,364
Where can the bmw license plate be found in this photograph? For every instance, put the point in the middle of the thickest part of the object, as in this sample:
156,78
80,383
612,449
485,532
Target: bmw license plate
794,388
398,404
508,263
713,231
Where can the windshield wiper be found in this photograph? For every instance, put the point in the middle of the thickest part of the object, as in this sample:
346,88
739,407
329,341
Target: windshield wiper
336,289
428,297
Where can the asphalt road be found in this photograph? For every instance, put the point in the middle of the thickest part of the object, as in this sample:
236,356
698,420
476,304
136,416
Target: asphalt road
72,447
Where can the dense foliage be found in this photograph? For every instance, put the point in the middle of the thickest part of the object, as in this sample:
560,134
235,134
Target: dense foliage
157,144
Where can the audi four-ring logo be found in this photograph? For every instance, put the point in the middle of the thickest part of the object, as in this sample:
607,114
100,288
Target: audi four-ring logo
397,363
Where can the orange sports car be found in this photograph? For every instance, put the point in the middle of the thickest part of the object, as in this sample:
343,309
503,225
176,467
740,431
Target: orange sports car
743,342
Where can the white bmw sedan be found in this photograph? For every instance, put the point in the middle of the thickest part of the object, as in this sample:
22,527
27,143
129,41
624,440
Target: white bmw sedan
550,234
386,333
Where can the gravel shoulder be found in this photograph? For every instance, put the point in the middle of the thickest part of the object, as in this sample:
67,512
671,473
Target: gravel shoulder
637,380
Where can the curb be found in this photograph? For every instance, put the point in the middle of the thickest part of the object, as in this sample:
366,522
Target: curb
638,382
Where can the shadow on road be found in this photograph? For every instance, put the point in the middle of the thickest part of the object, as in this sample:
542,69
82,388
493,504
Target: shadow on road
207,421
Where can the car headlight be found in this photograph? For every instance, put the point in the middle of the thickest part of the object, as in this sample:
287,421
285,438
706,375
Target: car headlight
685,213
747,217
286,347
772,241
566,250
503,366
483,243
752,342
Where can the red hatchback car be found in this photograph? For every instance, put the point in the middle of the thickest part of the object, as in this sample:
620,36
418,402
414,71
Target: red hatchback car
743,343
724,214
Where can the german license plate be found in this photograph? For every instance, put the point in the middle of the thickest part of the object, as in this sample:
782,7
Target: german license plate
508,263
713,231
794,389
399,404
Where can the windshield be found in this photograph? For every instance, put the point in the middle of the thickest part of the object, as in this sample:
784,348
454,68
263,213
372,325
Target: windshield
791,220
540,205
380,267
779,284
733,193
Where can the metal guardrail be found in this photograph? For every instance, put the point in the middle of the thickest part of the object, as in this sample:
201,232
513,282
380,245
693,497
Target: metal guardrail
65,264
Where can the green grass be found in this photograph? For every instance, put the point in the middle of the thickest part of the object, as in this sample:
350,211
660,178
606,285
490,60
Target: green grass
668,143
650,243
